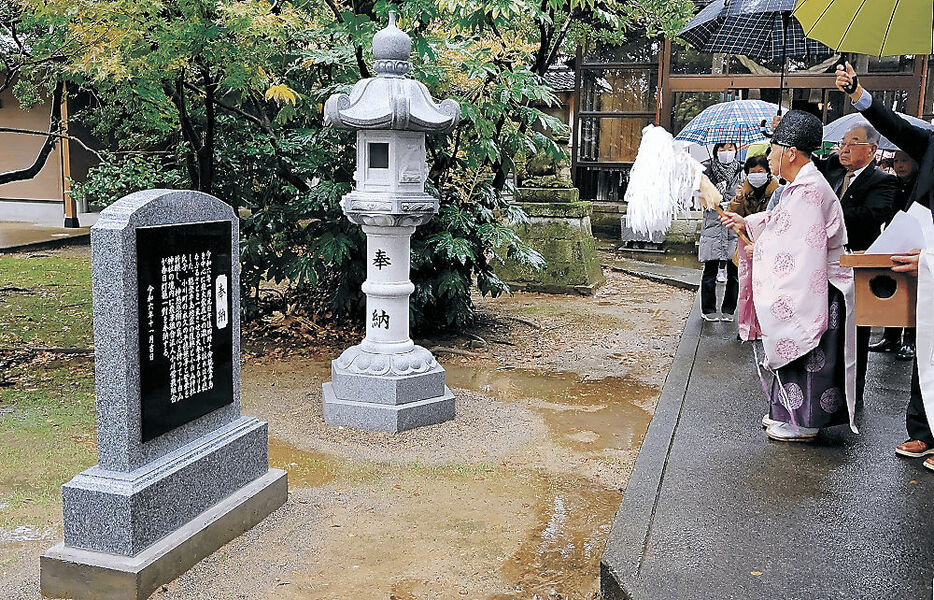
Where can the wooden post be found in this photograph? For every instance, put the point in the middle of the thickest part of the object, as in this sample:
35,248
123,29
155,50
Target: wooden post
665,100
922,85
575,118
71,207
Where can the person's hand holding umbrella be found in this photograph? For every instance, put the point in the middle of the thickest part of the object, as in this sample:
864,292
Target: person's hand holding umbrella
848,82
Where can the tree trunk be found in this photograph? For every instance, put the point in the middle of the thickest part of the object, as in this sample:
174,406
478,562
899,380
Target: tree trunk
206,153
177,94
55,124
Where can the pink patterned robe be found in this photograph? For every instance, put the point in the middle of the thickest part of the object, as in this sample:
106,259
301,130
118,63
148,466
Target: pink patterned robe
783,294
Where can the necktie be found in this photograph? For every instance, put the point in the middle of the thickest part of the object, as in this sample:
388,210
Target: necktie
846,184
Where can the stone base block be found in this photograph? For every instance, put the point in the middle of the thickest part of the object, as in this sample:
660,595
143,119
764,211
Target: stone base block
562,234
123,513
87,575
384,389
563,195
384,417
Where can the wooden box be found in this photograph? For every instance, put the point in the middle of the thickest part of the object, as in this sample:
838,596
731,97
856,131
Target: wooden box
884,298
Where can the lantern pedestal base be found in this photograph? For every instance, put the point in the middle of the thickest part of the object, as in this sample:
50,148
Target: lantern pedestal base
361,414
386,377
386,391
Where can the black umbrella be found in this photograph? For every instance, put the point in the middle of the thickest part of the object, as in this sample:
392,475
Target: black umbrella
762,29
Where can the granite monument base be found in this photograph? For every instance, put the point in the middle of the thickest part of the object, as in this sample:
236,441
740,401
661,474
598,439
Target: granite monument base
88,575
363,414
124,513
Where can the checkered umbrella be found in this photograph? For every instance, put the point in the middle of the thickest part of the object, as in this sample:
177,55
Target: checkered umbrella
760,29
738,122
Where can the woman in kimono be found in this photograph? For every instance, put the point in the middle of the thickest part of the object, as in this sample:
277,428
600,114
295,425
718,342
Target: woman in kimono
795,295
717,243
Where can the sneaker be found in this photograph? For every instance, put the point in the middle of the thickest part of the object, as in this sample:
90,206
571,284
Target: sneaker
711,317
728,317
929,463
786,432
721,276
768,421
913,449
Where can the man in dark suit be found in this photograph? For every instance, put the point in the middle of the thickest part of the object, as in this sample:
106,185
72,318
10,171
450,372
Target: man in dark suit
867,196
900,340
918,143
867,193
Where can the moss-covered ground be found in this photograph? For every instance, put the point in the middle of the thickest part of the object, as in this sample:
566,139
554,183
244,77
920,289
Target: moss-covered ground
47,428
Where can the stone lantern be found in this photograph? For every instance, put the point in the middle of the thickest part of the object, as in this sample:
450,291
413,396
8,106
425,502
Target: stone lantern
387,382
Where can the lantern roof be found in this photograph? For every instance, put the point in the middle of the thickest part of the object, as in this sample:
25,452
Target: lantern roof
391,100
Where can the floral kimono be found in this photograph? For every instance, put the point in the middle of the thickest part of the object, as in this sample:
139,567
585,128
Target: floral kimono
796,297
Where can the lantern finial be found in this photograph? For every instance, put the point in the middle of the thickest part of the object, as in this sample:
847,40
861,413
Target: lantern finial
391,50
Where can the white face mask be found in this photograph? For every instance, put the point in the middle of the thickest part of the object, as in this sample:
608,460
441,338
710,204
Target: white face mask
726,156
757,180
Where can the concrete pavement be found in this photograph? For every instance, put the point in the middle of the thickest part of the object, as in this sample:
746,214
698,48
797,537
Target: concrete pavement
21,236
685,277
714,510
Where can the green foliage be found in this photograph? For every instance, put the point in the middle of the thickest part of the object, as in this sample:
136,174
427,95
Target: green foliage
117,176
229,93
691,104
469,235
26,93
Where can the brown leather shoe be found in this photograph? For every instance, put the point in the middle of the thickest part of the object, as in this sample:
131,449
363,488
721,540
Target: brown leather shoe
915,449
929,463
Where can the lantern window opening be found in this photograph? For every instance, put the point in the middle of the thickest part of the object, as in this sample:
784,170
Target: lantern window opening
378,155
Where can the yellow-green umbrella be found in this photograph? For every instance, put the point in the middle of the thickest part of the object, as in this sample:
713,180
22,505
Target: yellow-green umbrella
877,27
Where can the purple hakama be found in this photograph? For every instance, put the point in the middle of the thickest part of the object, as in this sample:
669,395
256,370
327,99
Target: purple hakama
809,391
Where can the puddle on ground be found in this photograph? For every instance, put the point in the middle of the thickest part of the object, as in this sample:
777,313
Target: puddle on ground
305,469
560,557
609,413
510,534
24,533
661,258
406,589
517,533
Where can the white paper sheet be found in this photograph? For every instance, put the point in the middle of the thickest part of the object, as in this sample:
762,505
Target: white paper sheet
902,235
925,331
923,215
